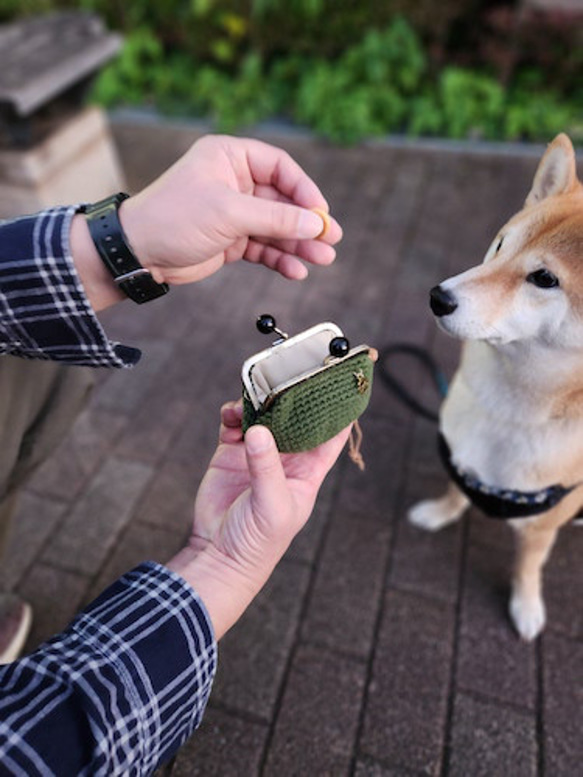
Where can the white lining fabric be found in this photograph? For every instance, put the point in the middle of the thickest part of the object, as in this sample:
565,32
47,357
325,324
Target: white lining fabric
290,359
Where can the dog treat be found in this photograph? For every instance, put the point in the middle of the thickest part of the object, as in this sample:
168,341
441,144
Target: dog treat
325,218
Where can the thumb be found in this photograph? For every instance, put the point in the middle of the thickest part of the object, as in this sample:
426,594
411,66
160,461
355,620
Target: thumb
270,218
269,487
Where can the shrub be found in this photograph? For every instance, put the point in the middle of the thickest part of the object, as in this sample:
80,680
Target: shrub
349,70
472,104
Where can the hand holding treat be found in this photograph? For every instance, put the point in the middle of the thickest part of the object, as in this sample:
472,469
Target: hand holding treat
225,199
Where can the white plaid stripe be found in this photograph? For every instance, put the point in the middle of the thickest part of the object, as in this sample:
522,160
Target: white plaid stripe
44,312
106,663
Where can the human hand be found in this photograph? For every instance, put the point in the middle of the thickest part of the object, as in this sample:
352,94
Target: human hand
229,198
250,505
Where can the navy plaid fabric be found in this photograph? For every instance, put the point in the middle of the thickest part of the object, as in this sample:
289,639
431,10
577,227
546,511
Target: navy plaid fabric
118,691
127,682
44,313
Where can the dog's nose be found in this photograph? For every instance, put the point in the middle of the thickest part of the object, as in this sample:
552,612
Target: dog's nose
442,302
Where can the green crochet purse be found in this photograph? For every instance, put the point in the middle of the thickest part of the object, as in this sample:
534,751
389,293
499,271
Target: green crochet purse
308,387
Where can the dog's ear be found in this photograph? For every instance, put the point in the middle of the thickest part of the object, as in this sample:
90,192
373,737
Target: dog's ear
556,173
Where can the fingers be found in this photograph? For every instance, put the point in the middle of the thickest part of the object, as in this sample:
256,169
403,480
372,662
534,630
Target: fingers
332,231
275,167
231,419
313,251
268,481
268,218
288,264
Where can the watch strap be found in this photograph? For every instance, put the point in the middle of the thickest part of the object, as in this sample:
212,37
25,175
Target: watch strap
115,252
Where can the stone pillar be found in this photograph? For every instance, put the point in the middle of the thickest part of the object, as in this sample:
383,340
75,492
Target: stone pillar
76,162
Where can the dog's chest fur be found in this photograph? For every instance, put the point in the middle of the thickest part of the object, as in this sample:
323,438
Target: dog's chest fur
500,420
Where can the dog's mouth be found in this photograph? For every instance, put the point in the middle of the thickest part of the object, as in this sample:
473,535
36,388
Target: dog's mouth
471,331
444,304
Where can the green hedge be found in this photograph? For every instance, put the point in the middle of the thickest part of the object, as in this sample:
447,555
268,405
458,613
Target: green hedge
348,69
382,84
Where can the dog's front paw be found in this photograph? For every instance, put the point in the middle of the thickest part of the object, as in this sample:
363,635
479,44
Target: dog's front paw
528,615
432,514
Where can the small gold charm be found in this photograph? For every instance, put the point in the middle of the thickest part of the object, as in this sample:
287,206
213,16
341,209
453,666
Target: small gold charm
362,382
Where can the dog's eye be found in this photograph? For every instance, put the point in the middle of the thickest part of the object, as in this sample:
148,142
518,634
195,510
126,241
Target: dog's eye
544,279
499,246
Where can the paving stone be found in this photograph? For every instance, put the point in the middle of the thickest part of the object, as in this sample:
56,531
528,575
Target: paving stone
316,726
371,768
446,352
427,562
492,660
562,705
156,322
489,739
497,535
32,524
224,746
563,585
372,493
153,428
423,451
305,545
139,543
69,468
168,500
55,597
344,601
410,376
124,389
397,214
254,653
89,532
423,561
405,712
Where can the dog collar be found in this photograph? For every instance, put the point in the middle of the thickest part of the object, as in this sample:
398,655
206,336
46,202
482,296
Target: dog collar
498,502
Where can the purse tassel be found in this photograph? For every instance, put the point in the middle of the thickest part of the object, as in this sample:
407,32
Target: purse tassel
354,443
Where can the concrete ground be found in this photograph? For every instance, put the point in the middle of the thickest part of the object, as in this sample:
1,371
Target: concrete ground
376,650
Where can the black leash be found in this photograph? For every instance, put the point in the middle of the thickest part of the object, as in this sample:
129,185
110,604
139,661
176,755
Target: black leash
424,357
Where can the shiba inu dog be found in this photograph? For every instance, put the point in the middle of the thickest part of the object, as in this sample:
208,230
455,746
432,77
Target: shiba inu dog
511,426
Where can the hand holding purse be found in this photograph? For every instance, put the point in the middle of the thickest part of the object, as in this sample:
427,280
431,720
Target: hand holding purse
306,388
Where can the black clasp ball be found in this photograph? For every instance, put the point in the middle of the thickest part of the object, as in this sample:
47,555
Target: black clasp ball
265,324
339,347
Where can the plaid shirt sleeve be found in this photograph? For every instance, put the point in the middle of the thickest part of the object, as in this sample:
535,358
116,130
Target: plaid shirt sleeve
44,313
116,693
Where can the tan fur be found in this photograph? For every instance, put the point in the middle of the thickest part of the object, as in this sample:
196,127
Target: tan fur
514,412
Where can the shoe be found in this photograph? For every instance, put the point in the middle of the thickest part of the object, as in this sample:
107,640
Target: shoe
15,623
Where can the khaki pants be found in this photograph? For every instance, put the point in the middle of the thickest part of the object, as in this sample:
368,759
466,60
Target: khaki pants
39,400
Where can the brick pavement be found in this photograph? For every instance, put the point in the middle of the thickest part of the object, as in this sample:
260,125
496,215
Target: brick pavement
376,650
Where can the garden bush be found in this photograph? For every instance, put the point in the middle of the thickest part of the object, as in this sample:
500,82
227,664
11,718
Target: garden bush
348,69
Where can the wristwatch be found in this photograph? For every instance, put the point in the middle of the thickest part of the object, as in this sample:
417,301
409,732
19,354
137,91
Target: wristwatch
113,248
